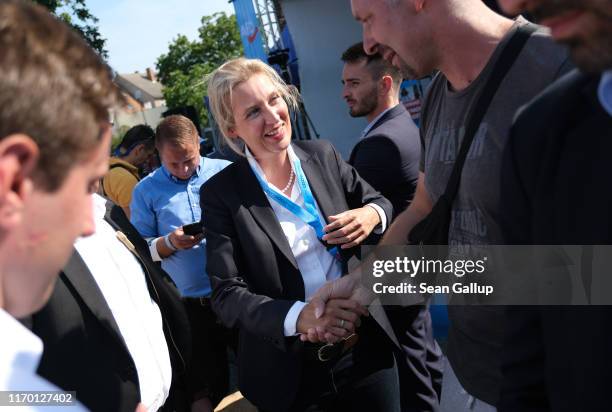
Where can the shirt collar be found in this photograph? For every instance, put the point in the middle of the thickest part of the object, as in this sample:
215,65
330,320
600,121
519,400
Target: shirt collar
255,165
23,350
373,122
177,180
604,91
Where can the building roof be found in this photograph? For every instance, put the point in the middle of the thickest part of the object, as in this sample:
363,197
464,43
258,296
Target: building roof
140,82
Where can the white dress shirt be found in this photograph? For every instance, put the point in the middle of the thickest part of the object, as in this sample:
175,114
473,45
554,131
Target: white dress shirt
120,277
20,352
373,122
315,263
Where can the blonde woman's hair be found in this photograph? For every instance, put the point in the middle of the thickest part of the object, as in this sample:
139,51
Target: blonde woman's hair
223,81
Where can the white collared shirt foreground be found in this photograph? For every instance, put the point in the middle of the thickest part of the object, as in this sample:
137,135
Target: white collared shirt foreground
20,352
120,277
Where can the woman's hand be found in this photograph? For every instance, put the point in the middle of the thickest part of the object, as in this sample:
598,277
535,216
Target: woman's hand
339,320
350,228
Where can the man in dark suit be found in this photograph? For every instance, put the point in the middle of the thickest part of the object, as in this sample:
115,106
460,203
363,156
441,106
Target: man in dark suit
114,329
556,191
387,157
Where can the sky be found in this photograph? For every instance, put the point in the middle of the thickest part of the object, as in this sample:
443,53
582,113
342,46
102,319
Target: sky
137,32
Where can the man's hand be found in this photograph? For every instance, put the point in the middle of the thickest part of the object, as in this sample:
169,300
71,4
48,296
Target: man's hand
179,241
340,318
182,241
350,228
347,287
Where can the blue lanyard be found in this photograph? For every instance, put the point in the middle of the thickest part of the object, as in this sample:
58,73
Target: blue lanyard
308,214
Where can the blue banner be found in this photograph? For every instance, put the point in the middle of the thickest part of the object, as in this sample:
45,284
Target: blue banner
250,31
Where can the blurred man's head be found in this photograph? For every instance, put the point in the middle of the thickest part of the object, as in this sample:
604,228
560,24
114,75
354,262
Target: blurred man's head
55,94
370,83
421,36
137,145
401,31
178,144
584,25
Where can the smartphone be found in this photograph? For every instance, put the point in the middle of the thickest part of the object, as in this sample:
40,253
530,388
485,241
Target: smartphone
193,229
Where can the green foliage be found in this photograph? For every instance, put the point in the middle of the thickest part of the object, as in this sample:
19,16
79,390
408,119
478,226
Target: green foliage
76,14
188,89
183,68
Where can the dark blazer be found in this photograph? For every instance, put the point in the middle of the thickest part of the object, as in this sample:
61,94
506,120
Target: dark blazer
254,274
83,347
388,157
556,190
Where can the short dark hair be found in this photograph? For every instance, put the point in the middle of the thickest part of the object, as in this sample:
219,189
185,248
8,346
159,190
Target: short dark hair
138,134
53,88
375,63
176,130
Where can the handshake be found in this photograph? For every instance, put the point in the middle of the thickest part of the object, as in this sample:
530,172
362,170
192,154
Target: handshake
336,308
335,311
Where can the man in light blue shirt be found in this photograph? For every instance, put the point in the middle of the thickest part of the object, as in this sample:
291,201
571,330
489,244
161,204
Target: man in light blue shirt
162,204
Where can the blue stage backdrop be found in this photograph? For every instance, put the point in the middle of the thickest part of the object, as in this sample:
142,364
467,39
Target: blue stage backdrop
250,31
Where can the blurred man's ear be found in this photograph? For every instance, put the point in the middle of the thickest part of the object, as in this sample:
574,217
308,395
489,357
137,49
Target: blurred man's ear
385,84
18,156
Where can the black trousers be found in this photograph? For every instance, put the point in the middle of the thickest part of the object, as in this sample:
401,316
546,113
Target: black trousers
209,369
420,361
363,379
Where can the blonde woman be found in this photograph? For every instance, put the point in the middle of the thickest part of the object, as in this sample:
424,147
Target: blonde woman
281,222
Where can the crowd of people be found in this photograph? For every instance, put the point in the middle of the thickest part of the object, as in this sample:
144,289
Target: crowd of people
131,287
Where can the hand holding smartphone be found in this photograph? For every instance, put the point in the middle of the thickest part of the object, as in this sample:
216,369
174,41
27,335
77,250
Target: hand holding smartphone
193,229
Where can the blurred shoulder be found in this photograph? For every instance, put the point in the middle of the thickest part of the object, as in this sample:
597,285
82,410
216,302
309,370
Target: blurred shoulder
150,181
225,176
216,164
318,146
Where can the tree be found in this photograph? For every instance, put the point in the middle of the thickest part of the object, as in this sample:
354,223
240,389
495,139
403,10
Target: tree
76,14
182,70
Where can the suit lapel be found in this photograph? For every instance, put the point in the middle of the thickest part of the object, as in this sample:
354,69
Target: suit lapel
257,202
395,111
380,316
79,276
391,113
577,86
322,191
119,221
318,184
590,93
259,206
354,151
